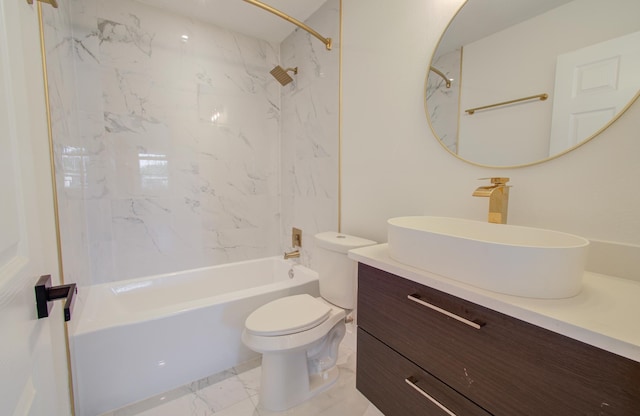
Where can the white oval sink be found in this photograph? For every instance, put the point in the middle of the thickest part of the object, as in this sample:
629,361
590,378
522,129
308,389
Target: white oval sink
503,258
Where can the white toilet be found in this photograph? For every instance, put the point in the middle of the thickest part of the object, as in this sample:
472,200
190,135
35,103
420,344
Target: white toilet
298,336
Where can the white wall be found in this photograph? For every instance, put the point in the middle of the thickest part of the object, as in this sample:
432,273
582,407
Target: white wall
392,164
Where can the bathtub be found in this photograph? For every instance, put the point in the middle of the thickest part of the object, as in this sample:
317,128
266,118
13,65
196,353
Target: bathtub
138,338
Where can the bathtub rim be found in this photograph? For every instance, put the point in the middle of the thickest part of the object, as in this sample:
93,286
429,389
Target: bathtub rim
82,325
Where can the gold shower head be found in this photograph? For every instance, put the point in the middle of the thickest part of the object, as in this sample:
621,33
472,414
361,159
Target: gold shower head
281,75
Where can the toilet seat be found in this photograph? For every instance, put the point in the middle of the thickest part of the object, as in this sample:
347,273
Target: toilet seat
288,315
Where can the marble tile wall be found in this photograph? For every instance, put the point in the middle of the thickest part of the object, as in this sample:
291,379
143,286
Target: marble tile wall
69,148
442,101
173,142
310,130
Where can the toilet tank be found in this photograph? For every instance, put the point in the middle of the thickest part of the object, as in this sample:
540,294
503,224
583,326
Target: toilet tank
337,274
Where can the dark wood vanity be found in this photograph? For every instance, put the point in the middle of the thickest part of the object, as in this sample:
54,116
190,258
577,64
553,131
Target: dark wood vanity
425,352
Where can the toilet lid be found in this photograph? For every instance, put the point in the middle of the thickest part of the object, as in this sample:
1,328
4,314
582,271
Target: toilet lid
287,315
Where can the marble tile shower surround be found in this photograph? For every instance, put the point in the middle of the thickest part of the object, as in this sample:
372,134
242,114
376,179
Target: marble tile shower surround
310,130
443,101
61,77
167,137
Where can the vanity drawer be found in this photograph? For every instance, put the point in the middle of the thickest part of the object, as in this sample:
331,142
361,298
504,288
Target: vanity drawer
399,387
504,365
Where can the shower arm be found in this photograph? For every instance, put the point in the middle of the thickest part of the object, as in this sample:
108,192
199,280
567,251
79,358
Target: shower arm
327,41
446,80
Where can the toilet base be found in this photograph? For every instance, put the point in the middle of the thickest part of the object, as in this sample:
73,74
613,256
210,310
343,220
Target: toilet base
298,366
286,383
294,376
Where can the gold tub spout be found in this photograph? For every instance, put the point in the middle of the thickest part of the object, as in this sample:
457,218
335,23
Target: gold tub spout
498,194
292,254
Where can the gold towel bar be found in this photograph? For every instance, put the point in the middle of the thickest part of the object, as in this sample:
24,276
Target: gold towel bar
326,41
54,3
541,97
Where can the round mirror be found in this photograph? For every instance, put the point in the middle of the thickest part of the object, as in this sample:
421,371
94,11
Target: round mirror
516,82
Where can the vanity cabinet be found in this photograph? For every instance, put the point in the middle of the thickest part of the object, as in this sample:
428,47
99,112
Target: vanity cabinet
425,352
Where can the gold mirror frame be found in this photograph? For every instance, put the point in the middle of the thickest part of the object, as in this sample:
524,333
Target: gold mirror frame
431,69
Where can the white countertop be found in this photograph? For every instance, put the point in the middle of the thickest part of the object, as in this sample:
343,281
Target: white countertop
605,314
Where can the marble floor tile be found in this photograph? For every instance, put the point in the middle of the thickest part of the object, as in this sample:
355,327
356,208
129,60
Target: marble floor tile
236,393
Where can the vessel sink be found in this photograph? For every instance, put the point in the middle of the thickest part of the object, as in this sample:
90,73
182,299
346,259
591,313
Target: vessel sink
509,259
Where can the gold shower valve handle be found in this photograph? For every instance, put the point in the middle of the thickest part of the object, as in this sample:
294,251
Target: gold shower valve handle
296,237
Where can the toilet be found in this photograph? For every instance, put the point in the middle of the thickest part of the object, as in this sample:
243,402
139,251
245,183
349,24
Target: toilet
298,336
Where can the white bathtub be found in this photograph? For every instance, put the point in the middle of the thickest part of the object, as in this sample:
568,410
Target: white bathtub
138,338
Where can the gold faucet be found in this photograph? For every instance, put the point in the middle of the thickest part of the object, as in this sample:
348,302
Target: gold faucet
292,254
498,194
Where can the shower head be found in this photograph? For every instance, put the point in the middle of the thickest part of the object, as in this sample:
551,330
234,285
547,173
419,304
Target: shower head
280,74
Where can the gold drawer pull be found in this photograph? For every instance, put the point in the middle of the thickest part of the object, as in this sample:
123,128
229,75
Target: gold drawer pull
416,299
412,382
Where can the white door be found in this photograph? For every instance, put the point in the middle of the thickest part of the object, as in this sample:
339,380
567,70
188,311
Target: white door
33,367
593,85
